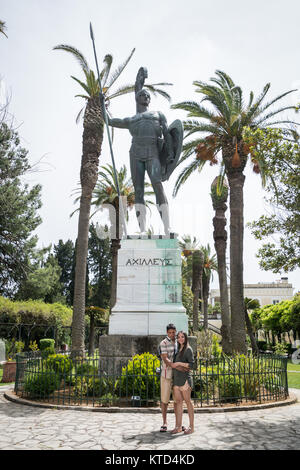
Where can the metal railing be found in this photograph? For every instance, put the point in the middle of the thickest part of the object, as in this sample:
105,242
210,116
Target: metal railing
34,331
111,381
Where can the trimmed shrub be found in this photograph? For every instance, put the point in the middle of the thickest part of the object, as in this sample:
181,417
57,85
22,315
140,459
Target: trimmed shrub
230,387
46,343
93,387
47,347
59,363
42,384
86,368
139,377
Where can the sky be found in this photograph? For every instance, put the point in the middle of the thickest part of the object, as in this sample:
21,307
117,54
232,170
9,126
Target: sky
254,42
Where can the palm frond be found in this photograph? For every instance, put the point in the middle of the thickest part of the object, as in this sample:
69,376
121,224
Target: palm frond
273,113
158,91
79,114
186,172
115,75
76,53
82,84
194,109
123,90
279,97
108,60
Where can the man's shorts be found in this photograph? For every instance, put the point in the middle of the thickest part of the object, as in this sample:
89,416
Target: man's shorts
165,389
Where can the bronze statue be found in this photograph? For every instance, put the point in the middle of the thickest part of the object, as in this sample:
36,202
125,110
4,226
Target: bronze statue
155,148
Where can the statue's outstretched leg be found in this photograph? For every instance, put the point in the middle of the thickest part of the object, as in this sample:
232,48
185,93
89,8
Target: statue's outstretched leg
153,167
138,178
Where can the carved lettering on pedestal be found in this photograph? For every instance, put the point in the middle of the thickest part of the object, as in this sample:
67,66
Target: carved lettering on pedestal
149,262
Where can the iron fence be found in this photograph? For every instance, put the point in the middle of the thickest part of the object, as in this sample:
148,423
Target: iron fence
66,379
27,332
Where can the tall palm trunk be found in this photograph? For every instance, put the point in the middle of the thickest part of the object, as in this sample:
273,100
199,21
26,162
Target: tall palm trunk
238,332
197,259
236,180
91,148
220,239
205,294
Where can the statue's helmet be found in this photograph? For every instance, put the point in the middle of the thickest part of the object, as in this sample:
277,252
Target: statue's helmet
141,92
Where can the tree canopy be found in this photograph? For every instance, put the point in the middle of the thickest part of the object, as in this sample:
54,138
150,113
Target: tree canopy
281,166
19,206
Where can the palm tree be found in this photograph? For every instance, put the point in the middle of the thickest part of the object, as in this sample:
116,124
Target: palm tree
3,28
222,130
188,245
209,265
105,192
197,269
219,196
91,148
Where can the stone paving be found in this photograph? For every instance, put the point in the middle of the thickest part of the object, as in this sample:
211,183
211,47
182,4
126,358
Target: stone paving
26,427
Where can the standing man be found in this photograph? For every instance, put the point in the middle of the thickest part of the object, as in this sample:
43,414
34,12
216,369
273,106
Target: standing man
168,347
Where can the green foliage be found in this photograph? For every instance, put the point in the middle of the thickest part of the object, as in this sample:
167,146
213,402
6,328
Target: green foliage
187,298
33,346
93,386
222,124
280,162
59,363
108,399
99,263
208,345
86,368
19,345
47,347
46,343
64,253
139,377
43,280
262,345
13,347
41,384
19,205
279,318
37,312
216,348
280,349
230,388
34,311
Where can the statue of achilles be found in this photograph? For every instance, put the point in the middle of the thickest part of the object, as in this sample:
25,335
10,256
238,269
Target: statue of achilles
155,148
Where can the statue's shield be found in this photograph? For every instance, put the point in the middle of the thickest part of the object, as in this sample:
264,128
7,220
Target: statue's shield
175,130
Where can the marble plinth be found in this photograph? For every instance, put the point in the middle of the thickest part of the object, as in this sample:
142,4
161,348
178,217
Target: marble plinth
149,288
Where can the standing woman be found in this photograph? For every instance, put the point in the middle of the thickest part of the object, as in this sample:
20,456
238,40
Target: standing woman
182,382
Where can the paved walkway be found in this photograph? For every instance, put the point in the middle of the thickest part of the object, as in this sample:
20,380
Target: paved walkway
26,427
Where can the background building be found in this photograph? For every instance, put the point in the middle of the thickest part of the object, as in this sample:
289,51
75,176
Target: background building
265,293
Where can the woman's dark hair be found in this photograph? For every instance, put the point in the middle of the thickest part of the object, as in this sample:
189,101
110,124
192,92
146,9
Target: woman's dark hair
186,343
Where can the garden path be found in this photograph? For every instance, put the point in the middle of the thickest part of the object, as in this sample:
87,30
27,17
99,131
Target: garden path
25,427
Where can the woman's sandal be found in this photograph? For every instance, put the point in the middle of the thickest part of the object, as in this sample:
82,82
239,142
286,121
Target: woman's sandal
163,429
188,430
178,429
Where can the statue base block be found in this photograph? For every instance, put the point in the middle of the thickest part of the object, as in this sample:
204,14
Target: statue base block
116,350
149,288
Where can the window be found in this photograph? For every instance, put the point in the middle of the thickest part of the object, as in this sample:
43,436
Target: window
275,302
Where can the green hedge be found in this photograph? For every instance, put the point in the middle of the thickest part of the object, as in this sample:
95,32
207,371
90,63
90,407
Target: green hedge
139,376
42,384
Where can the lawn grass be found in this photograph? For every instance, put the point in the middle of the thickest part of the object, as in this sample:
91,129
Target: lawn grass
293,380
291,366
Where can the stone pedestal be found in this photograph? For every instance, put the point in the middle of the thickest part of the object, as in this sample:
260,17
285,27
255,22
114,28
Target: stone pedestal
149,297
149,288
